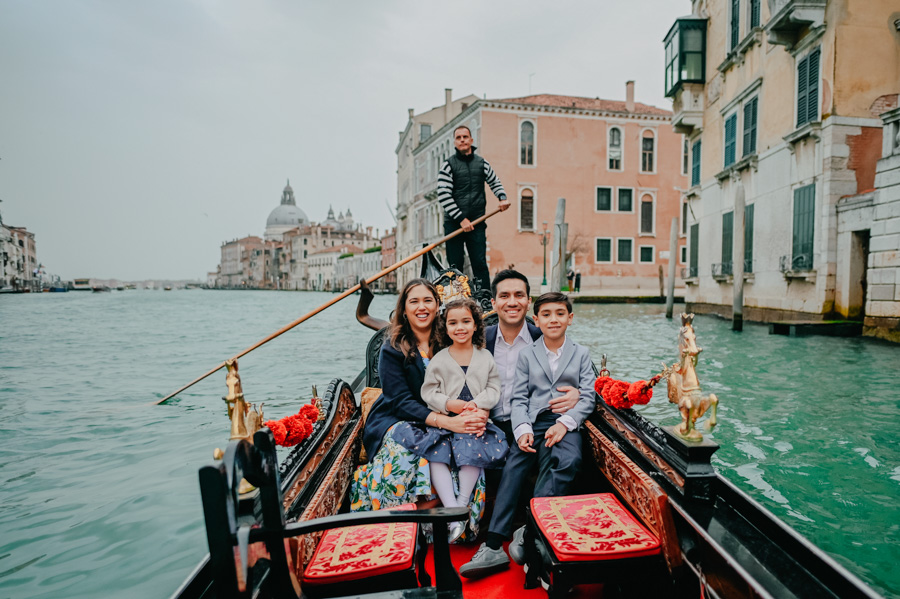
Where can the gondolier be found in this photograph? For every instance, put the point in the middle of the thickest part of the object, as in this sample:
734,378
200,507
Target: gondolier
460,190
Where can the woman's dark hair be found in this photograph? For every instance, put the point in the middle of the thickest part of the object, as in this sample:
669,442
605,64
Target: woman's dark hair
400,332
473,308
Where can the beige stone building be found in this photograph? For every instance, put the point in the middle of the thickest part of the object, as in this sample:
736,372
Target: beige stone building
782,102
618,163
18,259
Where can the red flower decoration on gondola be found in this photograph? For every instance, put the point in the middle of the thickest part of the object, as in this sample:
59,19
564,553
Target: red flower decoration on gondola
279,431
310,412
601,382
298,428
616,395
640,392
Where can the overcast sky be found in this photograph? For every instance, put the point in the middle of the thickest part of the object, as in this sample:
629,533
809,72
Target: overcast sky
136,137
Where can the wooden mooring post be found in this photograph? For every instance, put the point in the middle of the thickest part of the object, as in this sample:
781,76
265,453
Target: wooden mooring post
673,261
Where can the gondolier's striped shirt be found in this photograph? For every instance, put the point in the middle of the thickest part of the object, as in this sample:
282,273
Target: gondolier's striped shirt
445,188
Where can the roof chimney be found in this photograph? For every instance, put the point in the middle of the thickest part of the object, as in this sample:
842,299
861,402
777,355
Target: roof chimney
411,113
629,96
448,105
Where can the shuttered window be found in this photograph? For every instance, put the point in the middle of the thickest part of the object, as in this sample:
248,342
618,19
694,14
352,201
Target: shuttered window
695,248
750,119
695,163
748,238
526,210
727,239
730,139
808,88
754,13
604,250
804,227
647,215
604,199
624,250
735,23
626,200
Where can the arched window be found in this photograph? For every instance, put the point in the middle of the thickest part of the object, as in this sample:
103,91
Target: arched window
648,142
647,214
526,143
526,210
615,149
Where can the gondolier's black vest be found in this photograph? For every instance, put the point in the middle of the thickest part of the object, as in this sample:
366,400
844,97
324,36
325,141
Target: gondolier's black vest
468,185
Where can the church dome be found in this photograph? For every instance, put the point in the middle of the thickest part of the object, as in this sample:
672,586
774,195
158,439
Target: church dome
287,214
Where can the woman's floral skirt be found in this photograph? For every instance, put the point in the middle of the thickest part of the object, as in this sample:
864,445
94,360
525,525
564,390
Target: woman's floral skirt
395,476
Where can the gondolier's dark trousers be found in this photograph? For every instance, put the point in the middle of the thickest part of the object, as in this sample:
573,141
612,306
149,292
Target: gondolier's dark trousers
476,244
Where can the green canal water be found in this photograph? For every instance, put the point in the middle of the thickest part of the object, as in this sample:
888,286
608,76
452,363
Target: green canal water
98,489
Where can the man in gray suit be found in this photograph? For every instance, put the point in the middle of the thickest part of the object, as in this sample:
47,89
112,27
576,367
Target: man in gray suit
551,439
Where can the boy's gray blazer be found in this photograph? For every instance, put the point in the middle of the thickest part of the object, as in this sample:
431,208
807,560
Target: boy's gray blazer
444,379
535,387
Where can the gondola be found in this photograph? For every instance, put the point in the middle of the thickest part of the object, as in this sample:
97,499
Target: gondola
714,540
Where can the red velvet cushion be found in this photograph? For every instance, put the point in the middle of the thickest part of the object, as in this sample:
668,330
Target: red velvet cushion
358,552
591,527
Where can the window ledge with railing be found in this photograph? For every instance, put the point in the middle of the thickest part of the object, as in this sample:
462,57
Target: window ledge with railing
689,275
798,268
723,272
749,161
811,130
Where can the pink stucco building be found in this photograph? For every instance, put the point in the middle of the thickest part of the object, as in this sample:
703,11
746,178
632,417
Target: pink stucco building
619,165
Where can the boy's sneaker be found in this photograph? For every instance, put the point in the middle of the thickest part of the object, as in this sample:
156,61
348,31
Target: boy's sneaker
485,561
517,546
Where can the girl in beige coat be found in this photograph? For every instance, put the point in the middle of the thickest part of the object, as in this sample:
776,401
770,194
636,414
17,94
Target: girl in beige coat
460,377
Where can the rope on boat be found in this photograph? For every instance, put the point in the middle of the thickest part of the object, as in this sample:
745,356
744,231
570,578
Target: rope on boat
327,304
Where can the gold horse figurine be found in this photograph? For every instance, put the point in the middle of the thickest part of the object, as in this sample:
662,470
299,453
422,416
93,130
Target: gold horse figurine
684,387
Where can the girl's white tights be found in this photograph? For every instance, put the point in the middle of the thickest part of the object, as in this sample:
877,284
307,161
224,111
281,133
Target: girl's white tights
442,482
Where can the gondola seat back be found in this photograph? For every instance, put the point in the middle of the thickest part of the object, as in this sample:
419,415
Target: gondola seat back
363,552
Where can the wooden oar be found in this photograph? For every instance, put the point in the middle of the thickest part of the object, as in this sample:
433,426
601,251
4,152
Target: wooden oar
327,304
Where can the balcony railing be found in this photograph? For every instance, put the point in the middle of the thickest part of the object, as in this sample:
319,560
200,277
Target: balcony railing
800,263
722,270
791,18
689,272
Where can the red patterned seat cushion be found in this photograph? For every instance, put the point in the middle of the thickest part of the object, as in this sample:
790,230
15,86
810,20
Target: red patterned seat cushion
591,527
358,552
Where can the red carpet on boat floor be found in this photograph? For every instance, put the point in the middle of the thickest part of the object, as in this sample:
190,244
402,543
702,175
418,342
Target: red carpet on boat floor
508,583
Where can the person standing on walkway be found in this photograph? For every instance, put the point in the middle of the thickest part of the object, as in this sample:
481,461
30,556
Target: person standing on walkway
460,190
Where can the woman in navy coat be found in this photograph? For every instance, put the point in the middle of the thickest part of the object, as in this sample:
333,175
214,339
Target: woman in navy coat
394,475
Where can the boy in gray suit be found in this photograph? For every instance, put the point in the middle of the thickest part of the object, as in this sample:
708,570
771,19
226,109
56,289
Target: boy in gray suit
551,439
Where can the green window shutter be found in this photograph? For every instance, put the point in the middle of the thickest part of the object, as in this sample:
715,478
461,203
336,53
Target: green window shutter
695,248
604,199
802,91
695,163
750,110
604,250
812,94
754,13
735,23
623,253
804,227
748,238
730,139
626,200
727,238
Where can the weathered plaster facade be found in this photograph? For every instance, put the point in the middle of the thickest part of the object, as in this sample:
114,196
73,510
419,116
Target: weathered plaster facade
821,150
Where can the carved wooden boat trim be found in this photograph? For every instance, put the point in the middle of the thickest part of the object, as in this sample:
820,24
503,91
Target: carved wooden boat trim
642,494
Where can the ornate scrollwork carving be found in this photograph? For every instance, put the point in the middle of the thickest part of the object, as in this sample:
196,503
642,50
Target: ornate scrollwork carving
639,444
643,495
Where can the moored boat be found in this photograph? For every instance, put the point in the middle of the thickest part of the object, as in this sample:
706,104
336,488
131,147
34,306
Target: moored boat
714,540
